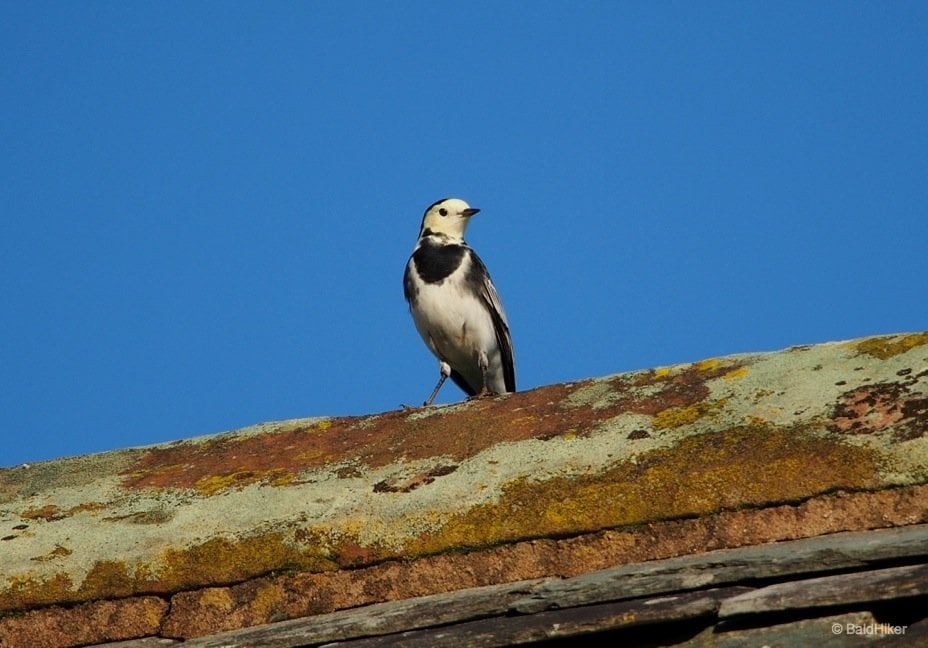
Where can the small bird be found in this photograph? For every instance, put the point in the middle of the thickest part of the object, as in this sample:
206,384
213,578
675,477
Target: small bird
455,305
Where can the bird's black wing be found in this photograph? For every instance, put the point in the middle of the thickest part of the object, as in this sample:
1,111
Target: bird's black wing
462,383
487,291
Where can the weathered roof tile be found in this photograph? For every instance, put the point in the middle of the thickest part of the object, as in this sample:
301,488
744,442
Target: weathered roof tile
613,462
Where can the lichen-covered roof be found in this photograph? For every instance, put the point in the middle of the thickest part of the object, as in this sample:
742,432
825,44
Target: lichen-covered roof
328,496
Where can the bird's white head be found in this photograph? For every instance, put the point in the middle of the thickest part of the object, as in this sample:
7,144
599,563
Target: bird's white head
448,217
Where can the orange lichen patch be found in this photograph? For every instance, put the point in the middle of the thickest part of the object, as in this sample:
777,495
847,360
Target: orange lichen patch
224,462
737,468
49,513
887,347
277,457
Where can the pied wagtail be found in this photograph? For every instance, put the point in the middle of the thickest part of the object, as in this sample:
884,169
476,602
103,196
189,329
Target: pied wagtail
456,307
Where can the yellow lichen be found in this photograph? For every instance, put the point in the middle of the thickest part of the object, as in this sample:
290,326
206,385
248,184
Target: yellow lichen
215,483
280,477
23,592
674,417
747,466
740,372
709,364
227,559
109,579
887,347
220,560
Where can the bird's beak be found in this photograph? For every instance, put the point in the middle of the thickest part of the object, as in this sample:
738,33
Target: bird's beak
470,211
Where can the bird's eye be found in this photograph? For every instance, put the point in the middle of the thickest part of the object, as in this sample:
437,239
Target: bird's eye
443,211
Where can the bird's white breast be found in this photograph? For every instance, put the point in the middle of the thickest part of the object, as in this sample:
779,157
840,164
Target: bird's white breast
453,320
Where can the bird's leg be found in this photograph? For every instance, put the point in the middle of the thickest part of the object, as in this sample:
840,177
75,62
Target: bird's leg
484,364
445,370
441,381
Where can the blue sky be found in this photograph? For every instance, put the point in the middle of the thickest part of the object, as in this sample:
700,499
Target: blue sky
207,207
